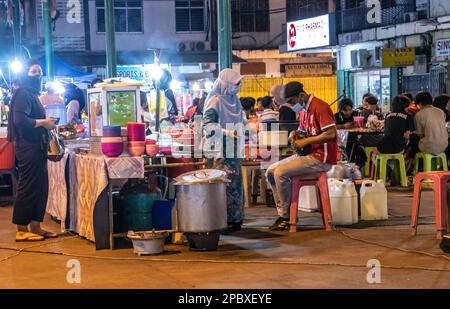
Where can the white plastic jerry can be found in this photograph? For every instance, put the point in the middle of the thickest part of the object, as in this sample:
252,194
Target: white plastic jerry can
373,200
308,199
341,201
353,196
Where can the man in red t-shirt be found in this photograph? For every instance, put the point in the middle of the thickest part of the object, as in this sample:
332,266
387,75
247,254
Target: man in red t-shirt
317,121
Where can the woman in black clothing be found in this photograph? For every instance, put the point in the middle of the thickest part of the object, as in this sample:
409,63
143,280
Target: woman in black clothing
396,127
28,128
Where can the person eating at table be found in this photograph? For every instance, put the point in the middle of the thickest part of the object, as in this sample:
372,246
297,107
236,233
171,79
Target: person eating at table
430,135
397,127
344,117
316,152
372,108
344,120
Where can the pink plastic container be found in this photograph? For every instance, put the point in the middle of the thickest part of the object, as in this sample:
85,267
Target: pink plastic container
152,150
359,121
136,149
112,150
136,131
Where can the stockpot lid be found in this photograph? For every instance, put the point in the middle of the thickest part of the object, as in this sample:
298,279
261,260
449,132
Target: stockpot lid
202,176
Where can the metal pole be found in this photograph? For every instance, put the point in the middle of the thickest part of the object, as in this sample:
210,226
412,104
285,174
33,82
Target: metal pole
16,28
224,34
111,58
158,106
48,41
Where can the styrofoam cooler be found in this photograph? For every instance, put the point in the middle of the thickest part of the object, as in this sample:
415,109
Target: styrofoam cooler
308,199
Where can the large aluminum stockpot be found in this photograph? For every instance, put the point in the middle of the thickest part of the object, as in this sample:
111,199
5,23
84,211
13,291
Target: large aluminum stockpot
201,201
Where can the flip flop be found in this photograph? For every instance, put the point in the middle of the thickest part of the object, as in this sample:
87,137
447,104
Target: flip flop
49,235
27,236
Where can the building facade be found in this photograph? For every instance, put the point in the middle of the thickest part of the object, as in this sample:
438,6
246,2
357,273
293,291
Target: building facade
389,47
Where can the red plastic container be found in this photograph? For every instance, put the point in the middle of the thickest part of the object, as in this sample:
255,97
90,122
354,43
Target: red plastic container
136,131
7,154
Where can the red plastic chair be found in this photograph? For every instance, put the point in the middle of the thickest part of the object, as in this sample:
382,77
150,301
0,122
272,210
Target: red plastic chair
440,180
319,180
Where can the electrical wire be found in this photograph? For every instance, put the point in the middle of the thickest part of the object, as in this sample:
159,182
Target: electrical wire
264,262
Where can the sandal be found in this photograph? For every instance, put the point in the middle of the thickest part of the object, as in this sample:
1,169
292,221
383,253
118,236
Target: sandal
27,236
46,234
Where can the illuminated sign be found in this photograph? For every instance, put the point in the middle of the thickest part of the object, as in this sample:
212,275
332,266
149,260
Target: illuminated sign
308,33
443,48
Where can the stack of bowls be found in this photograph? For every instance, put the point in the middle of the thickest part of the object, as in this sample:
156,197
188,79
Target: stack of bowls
151,147
136,138
112,142
112,131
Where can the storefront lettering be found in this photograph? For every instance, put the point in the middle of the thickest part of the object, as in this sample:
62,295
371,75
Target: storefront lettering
443,47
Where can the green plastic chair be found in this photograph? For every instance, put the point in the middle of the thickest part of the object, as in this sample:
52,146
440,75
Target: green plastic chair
369,151
430,162
399,171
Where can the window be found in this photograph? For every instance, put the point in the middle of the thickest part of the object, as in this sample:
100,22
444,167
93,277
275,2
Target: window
190,15
127,15
250,15
303,9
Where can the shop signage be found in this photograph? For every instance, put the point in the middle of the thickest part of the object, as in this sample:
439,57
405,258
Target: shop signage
308,33
398,57
310,69
443,48
136,72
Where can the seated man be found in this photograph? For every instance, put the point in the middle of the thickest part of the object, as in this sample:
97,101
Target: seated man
317,120
372,108
430,126
268,114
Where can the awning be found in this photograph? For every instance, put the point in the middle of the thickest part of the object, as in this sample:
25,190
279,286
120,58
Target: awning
93,59
63,69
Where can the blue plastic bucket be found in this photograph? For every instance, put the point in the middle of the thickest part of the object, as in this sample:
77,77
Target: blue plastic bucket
162,214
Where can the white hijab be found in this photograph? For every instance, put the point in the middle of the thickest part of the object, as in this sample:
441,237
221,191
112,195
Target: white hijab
223,98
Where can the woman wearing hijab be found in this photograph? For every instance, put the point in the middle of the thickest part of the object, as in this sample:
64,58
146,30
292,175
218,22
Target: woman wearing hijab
74,101
28,128
223,107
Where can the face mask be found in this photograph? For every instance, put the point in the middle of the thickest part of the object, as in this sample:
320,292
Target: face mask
235,89
298,107
33,82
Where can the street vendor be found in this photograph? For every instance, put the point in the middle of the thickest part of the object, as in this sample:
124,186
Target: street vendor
28,128
223,107
318,122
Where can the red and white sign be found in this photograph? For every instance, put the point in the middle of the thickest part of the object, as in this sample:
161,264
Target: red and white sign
308,33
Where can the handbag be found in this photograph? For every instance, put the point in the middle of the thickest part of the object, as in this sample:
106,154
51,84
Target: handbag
55,147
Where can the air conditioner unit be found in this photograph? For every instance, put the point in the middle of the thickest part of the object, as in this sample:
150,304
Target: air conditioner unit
361,58
193,46
410,17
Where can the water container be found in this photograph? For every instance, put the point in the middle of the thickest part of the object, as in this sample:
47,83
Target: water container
353,195
342,202
308,199
373,200
57,111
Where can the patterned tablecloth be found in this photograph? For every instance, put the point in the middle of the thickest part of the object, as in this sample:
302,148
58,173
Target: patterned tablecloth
89,176
57,193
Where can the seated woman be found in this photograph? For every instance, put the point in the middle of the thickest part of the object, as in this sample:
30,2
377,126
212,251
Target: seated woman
396,127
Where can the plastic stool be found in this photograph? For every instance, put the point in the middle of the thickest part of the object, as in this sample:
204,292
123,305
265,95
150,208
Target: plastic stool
440,180
13,174
381,162
319,180
369,151
430,162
